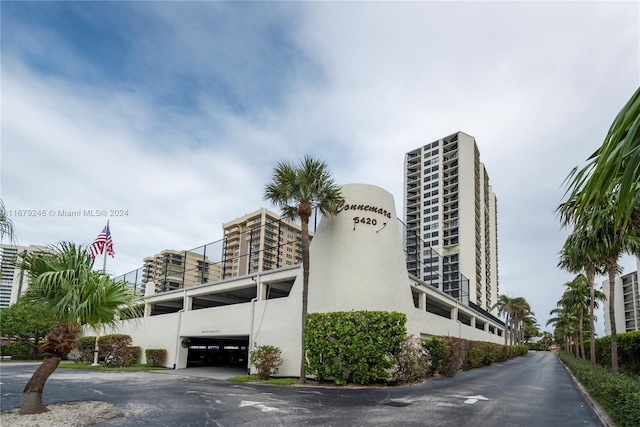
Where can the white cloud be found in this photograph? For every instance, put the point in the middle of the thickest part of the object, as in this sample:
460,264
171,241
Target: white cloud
190,126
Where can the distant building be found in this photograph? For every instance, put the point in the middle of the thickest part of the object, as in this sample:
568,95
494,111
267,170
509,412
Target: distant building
13,280
451,218
626,302
259,241
172,269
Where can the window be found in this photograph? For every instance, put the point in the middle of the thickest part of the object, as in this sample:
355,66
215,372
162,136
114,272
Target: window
435,152
434,243
435,184
426,236
426,211
434,192
427,186
435,217
434,234
433,169
434,209
434,176
427,194
434,201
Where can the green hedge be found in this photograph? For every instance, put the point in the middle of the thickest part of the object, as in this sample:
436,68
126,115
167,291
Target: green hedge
156,357
353,347
618,394
628,352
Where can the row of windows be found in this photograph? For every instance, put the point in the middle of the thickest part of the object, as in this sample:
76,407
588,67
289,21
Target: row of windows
432,161
430,202
431,193
430,177
433,226
428,235
431,153
434,144
431,169
433,209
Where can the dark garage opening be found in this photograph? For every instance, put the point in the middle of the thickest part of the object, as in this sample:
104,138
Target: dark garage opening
231,352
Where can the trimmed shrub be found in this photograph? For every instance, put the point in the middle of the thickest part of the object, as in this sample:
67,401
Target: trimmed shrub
266,359
628,352
84,350
156,357
618,394
458,349
17,350
481,354
134,355
116,349
411,362
353,347
437,352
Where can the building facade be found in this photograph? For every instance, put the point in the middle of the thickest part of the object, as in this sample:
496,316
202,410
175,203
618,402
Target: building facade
13,281
357,262
259,241
170,270
450,214
626,302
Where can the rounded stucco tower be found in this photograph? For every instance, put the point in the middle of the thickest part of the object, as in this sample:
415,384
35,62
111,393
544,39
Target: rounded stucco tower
356,257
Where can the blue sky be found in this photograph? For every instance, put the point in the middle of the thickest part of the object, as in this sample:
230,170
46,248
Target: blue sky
178,111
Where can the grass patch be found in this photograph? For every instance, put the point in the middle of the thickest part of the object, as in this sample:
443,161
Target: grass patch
254,379
244,379
88,367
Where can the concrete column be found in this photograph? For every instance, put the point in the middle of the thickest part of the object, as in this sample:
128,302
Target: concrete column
422,301
473,322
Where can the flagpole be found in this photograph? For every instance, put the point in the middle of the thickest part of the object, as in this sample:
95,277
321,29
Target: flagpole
104,271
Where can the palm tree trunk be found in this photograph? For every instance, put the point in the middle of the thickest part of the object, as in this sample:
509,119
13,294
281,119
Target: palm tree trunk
31,402
304,225
581,334
591,273
611,269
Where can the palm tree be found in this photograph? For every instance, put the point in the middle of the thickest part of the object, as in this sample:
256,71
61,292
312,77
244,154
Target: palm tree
504,309
298,190
579,253
614,168
6,225
577,299
514,310
565,326
520,310
76,295
614,242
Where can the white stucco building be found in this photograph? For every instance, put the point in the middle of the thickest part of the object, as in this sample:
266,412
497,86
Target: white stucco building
450,212
626,302
357,262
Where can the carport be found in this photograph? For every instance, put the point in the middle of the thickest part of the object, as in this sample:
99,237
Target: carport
221,351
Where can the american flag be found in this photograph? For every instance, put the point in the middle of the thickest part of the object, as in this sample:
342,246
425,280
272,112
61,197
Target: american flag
102,242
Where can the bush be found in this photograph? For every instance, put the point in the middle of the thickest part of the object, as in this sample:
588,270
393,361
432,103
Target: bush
411,362
353,347
18,350
84,350
481,354
618,394
628,353
266,359
437,352
116,350
134,355
458,349
156,357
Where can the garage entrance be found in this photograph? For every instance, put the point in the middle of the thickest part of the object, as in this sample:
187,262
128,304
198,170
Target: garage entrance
231,352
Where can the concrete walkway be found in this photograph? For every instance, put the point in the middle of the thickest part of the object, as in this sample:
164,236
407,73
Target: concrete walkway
212,372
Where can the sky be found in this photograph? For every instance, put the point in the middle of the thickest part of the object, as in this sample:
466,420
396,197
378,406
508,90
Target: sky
177,112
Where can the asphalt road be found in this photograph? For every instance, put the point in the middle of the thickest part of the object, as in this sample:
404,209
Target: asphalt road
534,390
